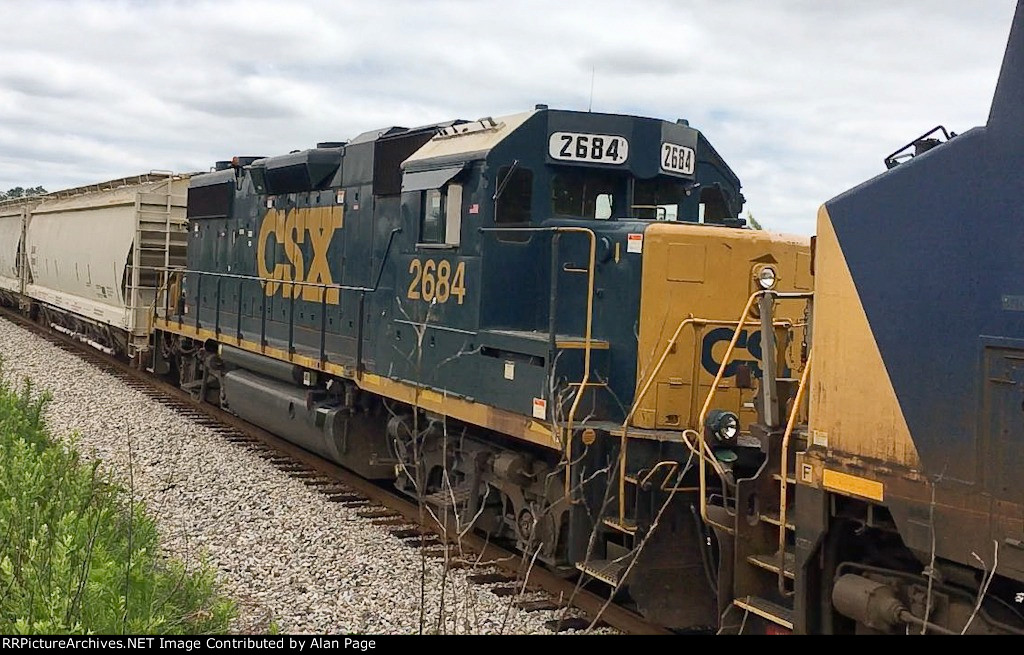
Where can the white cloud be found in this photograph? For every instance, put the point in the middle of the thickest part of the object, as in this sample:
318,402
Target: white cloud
802,98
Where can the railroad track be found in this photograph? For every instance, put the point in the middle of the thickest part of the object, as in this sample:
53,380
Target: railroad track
406,520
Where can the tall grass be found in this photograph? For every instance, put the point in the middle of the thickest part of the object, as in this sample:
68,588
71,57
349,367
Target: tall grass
76,554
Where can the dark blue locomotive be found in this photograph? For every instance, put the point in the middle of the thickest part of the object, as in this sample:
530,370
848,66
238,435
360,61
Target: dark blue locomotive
475,309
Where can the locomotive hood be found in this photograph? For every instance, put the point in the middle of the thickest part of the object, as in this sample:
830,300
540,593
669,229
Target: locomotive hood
458,144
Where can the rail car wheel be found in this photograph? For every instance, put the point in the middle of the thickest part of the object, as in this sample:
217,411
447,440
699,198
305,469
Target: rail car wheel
194,375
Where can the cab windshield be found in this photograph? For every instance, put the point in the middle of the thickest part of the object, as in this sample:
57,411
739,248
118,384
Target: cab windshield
589,193
658,199
603,194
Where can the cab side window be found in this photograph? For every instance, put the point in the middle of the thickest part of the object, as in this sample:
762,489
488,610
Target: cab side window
441,215
584,193
432,216
516,197
515,201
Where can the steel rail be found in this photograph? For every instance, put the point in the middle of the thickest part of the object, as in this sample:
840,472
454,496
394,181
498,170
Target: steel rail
560,588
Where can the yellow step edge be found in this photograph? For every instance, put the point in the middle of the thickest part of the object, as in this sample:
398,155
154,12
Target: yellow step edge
749,605
572,344
770,562
778,478
773,518
608,572
627,527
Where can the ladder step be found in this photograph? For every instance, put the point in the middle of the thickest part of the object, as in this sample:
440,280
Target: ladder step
607,571
772,516
789,479
579,343
766,609
770,562
632,478
449,497
628,526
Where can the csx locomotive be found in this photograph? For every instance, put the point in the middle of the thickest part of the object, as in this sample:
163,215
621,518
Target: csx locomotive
553,327
471,309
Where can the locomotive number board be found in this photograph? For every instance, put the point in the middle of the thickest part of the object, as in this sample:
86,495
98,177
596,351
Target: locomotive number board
598,148
676,159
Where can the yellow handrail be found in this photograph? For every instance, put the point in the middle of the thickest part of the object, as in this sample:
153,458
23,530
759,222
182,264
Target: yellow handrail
785,470
632,411
650,474
591,265
673,467
650,380
161,290
704,413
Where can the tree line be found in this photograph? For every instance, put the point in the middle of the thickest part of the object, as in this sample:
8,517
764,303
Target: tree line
19,192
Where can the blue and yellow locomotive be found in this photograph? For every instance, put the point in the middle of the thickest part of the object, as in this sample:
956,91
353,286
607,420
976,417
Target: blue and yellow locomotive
910,509
897,508
516,318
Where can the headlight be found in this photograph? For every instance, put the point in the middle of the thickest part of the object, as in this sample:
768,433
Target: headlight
724,426
766,278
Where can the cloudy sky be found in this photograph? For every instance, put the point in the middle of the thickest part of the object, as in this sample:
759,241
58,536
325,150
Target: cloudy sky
803,97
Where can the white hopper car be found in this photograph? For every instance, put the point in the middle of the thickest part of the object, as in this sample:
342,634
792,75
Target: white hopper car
89,261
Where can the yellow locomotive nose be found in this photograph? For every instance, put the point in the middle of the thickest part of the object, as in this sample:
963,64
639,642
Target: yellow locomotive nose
696,279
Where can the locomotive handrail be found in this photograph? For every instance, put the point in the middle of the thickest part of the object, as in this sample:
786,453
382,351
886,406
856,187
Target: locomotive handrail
557,230
784,323
591,265
257,278
650,381
784,472
167,271
704,412
714,387
673,467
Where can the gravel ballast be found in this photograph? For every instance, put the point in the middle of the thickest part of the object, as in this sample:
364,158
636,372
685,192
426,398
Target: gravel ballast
292,559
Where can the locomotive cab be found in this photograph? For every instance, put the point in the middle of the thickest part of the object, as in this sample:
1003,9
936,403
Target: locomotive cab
612,267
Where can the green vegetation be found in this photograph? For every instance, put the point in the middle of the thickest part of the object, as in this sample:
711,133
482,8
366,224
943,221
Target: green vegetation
19,192
76,555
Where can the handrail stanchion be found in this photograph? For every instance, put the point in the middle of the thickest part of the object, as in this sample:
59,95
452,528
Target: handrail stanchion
705,450
199,301
291,321
263,322
784,482
323,324
216,315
